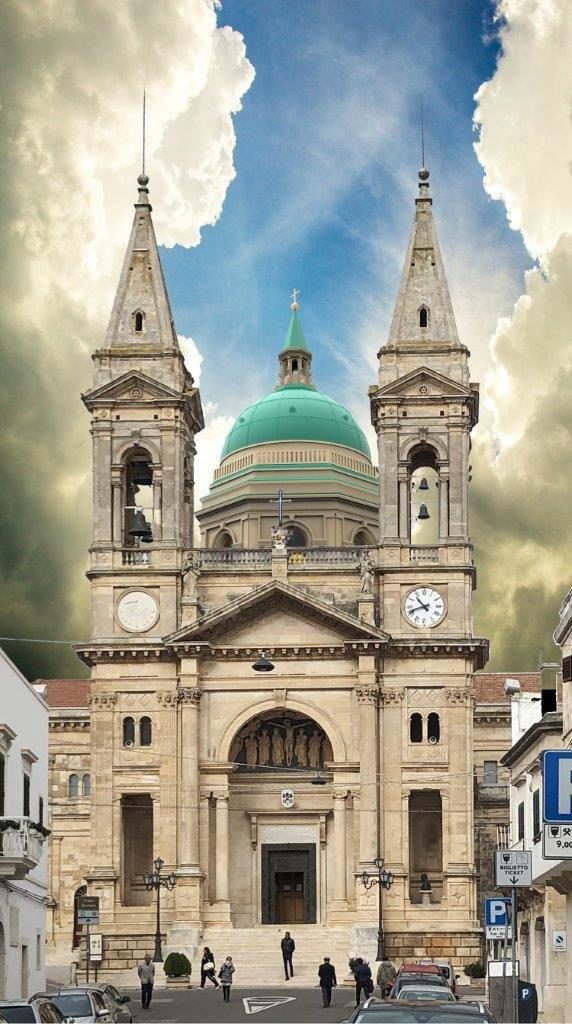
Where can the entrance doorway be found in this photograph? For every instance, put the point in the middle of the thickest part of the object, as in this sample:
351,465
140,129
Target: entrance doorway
289,907
289,883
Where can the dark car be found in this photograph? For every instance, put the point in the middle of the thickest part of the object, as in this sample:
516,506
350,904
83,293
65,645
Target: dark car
24,1011
117,1003
401,1012
416,978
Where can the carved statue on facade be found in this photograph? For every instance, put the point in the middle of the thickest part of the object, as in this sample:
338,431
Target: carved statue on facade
277,741
280,538
366,574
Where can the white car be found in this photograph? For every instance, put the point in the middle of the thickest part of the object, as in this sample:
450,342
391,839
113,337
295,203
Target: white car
439,993
85,1005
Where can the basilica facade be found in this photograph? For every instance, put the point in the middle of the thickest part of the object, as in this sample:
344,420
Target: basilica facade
273,710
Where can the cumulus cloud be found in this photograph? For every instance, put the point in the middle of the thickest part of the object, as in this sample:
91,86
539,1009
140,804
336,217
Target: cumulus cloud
521,495
70,86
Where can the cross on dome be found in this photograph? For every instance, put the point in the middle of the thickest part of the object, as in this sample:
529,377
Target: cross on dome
295,304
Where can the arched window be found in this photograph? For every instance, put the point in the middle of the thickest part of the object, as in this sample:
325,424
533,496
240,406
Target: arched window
138,322
424,497
297,538
423,316
128,732
433,728
86,784
138,511
145,731
362,539
416,728
73,787
224,540
294,366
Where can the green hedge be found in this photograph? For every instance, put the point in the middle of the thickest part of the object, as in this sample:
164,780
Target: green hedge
177,965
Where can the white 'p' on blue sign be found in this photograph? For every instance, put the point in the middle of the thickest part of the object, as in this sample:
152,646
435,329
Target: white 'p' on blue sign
557,784
495,913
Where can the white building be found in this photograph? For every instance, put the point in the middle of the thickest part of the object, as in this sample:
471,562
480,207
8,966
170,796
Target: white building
23,851
545,920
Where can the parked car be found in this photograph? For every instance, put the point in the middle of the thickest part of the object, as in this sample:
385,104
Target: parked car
416,978
446,968
398,1012
117,1003
24,1011
85,1004
414,992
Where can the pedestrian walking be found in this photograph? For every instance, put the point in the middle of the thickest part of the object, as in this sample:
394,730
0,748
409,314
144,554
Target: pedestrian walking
386,974
208,968
328,980
146,972
225,974
362,975
288,946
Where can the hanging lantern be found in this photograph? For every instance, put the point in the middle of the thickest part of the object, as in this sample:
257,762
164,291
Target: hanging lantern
423,513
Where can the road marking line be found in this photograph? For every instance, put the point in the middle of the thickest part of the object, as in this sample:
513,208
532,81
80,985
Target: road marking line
255,1004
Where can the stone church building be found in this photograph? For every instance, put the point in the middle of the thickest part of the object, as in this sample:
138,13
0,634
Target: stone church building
269,793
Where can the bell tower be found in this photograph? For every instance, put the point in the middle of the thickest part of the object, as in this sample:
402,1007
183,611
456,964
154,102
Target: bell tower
423,409
145,413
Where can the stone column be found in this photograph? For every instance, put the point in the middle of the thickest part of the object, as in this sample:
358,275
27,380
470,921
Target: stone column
102,711
157,504
188,854
117,509
222,846
403,485
443,503
340,872
367,695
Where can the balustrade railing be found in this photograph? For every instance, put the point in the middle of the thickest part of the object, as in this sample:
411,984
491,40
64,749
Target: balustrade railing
135,556
326,556
213,557
422,555
19,840
206,558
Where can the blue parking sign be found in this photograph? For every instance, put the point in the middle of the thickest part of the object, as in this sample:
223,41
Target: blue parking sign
496,912
557,786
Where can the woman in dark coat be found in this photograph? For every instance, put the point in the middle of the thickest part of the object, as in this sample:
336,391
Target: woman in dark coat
362,975
208,968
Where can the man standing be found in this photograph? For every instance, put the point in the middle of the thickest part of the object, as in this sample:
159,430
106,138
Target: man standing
288,946
328,980
385,975
146,972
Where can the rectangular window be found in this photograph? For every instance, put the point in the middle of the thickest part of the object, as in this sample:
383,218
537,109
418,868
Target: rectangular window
26,800
490,773
536,813
38,952
520,820
41,810
567,668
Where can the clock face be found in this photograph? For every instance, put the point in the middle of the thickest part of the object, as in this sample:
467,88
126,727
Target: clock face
424,606
137,611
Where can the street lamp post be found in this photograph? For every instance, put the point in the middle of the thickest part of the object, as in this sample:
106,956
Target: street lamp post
384,880
155,880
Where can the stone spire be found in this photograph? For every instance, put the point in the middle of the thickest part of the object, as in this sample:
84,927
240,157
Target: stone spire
423,311
141,314
295,357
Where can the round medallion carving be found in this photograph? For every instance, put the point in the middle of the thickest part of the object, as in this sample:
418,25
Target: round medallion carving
136,392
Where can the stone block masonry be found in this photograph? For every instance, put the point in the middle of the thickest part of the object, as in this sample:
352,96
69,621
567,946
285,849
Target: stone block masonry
460,948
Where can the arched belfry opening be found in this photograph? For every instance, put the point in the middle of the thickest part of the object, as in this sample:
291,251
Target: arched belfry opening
141,517
424,497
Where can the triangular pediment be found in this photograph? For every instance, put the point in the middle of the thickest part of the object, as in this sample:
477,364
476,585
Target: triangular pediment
132,386
424,383
260,619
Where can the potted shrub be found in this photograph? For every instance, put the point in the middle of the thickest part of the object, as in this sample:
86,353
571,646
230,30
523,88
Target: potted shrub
475,972
178,969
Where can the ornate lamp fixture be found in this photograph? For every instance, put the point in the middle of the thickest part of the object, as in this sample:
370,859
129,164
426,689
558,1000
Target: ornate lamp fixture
156,881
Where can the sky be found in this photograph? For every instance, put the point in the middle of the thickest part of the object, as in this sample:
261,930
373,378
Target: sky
283,143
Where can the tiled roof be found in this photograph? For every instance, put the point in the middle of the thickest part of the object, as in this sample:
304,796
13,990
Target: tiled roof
489,686
66,693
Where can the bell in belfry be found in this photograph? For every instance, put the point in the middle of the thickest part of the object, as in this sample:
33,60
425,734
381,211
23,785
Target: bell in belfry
141,528
423,513
424,486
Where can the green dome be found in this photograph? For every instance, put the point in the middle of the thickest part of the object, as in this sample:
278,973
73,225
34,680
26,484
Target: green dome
295,412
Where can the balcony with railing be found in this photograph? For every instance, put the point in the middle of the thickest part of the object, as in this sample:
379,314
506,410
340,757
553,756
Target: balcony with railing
21,844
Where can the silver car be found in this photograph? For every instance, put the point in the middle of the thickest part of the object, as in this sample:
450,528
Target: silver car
85,1004
24,1011
432,992
117,1003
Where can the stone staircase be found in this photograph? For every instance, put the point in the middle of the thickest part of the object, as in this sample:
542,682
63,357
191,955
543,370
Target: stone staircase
257,956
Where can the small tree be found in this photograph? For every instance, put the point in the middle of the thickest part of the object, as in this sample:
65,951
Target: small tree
177,965
475,970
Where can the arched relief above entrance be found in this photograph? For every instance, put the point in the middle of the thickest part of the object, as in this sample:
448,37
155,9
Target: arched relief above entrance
304,709
280,739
